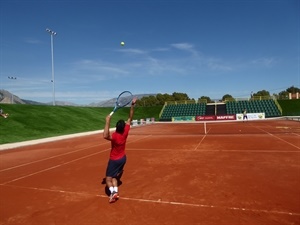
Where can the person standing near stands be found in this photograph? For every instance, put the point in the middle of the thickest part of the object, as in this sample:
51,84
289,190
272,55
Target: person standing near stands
245,117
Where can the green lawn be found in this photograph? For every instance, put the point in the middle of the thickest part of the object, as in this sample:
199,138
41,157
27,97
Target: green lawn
29,122
290,107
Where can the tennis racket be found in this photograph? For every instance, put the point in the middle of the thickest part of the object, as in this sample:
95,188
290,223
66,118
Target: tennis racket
122,100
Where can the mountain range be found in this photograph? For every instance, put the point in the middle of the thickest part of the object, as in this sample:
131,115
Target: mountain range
9,98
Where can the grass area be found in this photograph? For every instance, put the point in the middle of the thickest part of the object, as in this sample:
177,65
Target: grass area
30,122
290,107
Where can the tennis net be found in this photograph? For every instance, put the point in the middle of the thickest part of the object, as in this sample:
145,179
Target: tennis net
269,126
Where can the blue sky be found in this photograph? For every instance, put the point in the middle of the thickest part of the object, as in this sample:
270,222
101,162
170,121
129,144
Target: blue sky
199,47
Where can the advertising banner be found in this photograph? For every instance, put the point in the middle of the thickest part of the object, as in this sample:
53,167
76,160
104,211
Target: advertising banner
201,118
219,117
226,117
183,118
134,122
251,116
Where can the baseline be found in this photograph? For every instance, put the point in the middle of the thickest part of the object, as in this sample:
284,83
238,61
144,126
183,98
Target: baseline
159,201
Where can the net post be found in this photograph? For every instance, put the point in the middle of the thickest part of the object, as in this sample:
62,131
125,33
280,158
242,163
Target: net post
205,128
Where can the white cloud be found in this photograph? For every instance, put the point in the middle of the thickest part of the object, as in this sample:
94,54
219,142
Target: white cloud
160,49
267,62
186,47
183,46
98,67
218,64
32,41
132,51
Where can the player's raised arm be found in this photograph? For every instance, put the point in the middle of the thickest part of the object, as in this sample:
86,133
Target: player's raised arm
131,112
106,133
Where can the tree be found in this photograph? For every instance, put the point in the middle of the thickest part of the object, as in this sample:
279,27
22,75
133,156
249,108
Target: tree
208,100
147,101
293,90
262,93
228,97
167,98
285,94
161,99
180,96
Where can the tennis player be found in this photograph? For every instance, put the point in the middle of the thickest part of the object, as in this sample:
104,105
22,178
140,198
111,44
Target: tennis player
245,115
117,159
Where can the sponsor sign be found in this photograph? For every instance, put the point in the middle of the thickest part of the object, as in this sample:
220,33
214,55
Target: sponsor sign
200,118
251,116
142,122
219,117
226,117
134,122
183,118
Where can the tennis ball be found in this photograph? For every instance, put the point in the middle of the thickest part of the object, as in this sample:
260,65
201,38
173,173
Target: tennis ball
122,43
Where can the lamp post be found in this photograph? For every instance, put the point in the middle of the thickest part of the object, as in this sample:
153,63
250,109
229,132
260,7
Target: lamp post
12,95
52,34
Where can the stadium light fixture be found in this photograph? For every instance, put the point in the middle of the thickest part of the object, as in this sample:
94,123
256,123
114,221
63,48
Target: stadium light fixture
12,95
52,34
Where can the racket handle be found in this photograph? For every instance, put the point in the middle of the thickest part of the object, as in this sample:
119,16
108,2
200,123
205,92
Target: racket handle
111,113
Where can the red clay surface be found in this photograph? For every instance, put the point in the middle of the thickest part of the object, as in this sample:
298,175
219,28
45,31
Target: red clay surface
238,173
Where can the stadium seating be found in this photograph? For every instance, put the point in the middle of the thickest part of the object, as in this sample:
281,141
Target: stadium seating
267,106
177,110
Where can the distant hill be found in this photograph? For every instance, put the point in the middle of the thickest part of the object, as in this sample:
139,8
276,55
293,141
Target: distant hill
6,97
111,102
29,102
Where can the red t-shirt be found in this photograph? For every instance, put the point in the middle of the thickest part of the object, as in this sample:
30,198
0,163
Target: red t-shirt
118,143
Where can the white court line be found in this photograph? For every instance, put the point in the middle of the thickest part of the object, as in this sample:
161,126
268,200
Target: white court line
279,138
52,157
134,135
159,201
53,167
49,139
56,166
200,142
209,150
45,140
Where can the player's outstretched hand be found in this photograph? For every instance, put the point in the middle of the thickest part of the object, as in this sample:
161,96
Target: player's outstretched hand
108,117
133,100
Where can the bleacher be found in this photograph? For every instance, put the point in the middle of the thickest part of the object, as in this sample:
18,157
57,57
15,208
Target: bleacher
176,110
268,106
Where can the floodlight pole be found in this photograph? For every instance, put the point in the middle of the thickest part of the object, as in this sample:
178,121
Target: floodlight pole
12,95
52,33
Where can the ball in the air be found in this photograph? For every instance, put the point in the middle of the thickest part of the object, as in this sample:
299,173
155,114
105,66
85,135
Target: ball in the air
122,43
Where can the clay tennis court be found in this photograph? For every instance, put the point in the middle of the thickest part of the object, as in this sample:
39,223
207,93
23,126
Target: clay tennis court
236,173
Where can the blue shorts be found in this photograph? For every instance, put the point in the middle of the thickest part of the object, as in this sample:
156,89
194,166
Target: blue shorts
115,167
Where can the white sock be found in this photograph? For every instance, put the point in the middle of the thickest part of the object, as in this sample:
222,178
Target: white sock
111,189
116,189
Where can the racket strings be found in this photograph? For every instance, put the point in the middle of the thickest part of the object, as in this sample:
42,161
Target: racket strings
124,99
